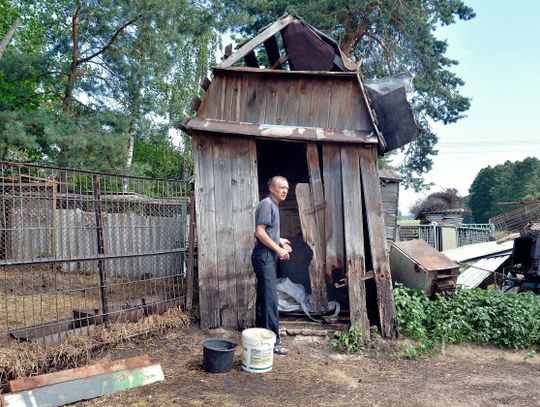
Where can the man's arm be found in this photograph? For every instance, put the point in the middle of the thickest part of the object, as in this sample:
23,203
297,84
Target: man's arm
260,233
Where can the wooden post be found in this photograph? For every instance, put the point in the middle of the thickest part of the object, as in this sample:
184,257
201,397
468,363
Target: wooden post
377,241
354,237
191,254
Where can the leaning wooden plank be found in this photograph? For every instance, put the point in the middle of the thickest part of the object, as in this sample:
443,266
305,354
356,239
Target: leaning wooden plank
311,237
315,181
205,206
377,240
333,215
258,40
354,237
28,383
60,394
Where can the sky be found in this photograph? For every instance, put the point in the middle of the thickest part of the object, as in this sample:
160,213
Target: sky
499,60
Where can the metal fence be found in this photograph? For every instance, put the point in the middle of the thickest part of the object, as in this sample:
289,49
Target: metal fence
80,249
432,234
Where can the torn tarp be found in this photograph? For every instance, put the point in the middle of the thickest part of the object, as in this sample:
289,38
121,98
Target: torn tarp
394,113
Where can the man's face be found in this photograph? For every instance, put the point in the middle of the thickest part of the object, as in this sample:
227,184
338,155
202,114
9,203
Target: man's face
279,190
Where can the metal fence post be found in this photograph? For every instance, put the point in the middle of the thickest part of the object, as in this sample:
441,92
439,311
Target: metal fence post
96,187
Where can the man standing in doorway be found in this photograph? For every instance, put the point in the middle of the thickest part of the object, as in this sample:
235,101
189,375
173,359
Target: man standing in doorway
269,247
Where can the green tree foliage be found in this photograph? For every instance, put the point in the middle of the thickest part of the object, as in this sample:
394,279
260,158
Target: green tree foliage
85,83
509,182
388,37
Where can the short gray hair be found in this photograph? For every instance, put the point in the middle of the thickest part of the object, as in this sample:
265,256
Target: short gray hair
272,181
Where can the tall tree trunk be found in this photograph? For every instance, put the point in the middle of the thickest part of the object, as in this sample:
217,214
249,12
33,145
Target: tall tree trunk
68,91
131,144
9,36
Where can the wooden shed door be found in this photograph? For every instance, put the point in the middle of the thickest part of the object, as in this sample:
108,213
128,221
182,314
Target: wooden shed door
226,197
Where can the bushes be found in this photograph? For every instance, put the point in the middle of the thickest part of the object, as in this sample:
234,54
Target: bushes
480,316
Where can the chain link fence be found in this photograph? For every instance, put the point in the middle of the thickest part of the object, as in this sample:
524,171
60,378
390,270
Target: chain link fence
79,249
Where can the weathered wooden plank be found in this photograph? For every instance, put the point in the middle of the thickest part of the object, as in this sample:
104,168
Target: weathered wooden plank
354,237
272,131
317,104
304,101
223,157
259,39
333,214
344,115
326,103
319,203
272,50
377,242
335,100
371,112
360,119
272,90
244,171
311,237
251,99
205,205
293,103
28,383
283,96
211,101
63,393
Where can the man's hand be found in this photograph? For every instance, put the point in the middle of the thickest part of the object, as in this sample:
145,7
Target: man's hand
283,254
285,244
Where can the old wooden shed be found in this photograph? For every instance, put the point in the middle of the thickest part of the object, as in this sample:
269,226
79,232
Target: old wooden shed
288,102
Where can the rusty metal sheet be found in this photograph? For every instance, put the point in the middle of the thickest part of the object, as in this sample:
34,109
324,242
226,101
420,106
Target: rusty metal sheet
307,52
281,132
425,255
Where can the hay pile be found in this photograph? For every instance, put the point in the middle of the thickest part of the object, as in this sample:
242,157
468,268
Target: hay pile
23,359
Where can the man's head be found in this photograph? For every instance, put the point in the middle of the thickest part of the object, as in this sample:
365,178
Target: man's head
278,187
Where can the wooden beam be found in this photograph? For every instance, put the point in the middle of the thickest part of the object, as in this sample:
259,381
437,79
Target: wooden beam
311,236
272,50
258,40
354,237
63,393
29,383
251,60
205,83
270,131
280,62
377,242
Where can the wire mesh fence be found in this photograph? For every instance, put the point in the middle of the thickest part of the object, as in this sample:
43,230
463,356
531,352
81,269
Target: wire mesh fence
79,249
465,234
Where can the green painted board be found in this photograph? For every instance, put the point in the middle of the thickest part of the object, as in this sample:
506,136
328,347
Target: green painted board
82,389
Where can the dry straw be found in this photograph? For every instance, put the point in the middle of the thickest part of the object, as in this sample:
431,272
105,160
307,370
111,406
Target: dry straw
23,359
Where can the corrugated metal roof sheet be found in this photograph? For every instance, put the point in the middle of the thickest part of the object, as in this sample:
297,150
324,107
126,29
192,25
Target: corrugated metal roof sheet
425,255
480,270
478,250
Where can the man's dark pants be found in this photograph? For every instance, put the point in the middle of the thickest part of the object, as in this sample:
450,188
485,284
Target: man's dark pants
265,265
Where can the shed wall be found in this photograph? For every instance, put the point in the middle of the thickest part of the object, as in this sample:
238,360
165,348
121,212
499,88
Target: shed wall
264,97
226,197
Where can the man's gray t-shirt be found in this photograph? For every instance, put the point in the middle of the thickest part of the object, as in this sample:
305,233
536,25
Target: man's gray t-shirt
267,213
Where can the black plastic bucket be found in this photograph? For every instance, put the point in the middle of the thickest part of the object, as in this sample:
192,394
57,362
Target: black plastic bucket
218,355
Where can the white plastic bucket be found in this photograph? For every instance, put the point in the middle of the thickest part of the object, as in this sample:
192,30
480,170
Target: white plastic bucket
258,350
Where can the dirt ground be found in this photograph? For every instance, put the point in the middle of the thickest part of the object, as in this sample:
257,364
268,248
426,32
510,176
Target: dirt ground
313,374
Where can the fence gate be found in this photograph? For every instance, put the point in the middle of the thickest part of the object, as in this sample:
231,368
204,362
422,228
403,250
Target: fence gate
79,249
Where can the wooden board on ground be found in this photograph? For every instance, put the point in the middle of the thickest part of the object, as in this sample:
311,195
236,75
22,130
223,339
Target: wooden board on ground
63,393
28,383
354,237
312,238
377,239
